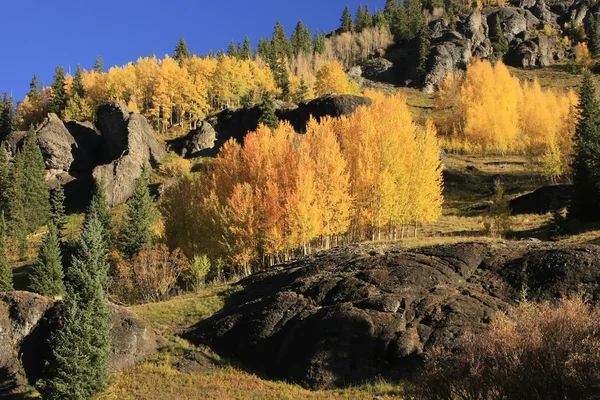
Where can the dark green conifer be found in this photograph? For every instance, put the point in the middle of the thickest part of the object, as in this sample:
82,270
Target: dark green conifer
58,99
380,20
77,366
390,8
231,50
360,22
57,209
424,49
100,208
319,43
268,117
594,35
181,52
368,18
499,41
5,181
280,44
33,88
7,119
47,275
16,205
585,204
6,275
346,23
246,53
302,93
77,87
141,216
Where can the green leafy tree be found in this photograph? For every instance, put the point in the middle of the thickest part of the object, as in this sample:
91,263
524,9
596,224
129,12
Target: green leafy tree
58,99
98,65
268,117
181,52
100,208
499,41
77,366
346,23
498,221
35,193
585,204
141,216
264,49
47,275
301,40
6,275
57,209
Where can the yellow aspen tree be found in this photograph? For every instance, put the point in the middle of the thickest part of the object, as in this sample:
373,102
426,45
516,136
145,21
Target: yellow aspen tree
331,78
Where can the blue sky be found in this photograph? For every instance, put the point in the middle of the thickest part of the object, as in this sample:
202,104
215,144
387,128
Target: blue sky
44,34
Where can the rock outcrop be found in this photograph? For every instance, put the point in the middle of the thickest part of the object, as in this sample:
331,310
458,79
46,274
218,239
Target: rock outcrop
56,143
355,313
198,140
26,320
543,200
130,142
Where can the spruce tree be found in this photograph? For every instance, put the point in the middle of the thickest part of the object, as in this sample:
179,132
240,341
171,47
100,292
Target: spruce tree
57,209
424,49
380,20
302,93
268,117
319,43
100,208
77,366
33,88
499,41
58,99
6,275
360,22
246,53
77,87
5,181
231,50
181,52
346,23
47,276
390,8
280,45
368,18
585,204
594,35
141,216
6,116
17,201
98,65
36,206
298,40
400,24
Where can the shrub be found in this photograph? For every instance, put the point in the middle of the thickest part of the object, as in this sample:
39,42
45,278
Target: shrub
151,275
195,277
498,223
534,351
174,166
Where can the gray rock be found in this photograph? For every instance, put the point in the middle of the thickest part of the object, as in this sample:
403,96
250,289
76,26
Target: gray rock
56,143
200,139
26,321
511,20
448,55
536,52
131,143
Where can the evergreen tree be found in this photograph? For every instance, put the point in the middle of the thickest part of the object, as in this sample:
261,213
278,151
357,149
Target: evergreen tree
268,117
399,24
346,23
181,52
100,208
33,88
391,6
34,190
6,116
594,35
264,49
302,93
221,53
58,100
57,209
499,41
319,43
360,21
5,181
280,44
301,40
141,216
47,276
368,18
380,20
415,17
246,53
231,50
77,366
585,204
77,87
98,65
16,205
6,275
424,49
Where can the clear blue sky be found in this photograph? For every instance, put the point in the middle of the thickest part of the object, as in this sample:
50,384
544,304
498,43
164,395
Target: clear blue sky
44,34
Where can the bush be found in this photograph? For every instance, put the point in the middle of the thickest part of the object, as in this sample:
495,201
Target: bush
175,166
498,223
535,351
195,277
151,275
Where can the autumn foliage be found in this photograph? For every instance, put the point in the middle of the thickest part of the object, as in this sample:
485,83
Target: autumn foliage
366,176
491,111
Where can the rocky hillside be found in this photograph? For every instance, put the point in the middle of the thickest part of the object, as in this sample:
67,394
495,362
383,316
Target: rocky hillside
355,313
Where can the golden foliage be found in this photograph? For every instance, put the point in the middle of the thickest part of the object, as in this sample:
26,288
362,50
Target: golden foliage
331,78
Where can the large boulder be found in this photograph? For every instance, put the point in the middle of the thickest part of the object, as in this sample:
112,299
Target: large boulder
26,321
56,143
354,313
543,200
449,53
536,52
90,146
511,21
198,140
130,142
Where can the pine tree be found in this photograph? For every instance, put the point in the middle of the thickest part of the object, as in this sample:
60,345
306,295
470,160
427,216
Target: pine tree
58,100
280,44
594,35
380,20
302,93
268,117
33,88
585,204
98,65
319,43
6,275
47,276
35,192
424,49
181,52
360,21
57,209
390,8
6,116
141,216
368,18
298,40
246,53
100,208
77,366
5,181
400,24
264,49
231,50
77,87
17,200
346,23
499,41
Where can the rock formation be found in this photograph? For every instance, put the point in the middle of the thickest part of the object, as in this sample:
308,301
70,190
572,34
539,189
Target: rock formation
26,320
355,313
